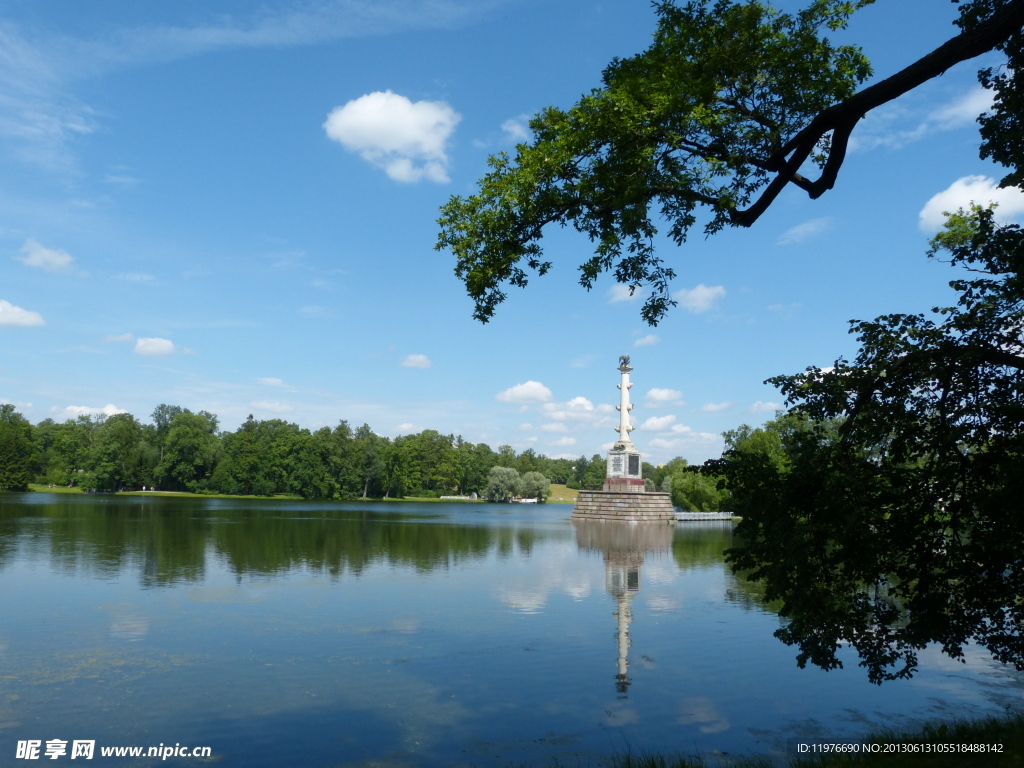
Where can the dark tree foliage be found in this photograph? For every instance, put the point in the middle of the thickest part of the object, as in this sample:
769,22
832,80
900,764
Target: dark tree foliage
17,451
117,454
723,111
185,451
885,509
697,491
190,452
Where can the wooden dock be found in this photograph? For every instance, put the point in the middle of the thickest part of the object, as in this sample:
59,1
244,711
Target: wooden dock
685,517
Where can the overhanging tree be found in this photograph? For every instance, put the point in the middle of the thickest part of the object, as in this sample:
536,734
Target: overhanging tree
732,102
903,525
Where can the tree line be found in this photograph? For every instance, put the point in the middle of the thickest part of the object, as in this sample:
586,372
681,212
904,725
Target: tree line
182,450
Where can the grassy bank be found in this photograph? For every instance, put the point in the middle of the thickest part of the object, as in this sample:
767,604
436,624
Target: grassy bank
40,488
907,750
559,493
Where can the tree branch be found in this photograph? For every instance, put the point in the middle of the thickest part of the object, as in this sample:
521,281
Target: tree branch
956,358
841,118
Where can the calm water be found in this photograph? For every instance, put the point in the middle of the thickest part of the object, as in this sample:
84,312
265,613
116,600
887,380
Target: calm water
311,634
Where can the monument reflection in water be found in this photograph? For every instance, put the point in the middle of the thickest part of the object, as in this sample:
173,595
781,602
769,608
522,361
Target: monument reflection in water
623,546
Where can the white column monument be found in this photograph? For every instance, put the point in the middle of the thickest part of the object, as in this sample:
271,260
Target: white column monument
622,497
625,469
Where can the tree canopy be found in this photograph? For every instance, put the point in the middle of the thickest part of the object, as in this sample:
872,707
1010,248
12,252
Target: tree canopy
16,450
186,451
732,102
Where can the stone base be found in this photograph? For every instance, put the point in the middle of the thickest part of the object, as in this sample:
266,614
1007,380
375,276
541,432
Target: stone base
629,507
624,485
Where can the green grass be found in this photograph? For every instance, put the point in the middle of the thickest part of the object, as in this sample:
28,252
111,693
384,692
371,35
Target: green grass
40,488
560,494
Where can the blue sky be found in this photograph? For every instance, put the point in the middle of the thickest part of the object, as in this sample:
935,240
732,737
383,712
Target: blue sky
232,208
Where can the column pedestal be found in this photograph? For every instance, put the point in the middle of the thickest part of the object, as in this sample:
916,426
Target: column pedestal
625,506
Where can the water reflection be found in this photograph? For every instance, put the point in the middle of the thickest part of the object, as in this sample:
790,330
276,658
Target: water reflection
304,633
623,546
171,541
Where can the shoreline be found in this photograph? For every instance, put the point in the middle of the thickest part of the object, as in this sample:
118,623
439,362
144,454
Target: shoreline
40,488
993,742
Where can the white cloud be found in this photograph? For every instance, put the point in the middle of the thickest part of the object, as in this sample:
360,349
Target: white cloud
579,404
682,429
962,111
620,292
699,299
271,382
41,118
50,259
12,315
716,407
880,128
265,405
964,191
527,392
784,310
658,423
121,338
555,426
121,179
801,233
526,427
73,411
579,410
646,341
564,441
135,277
38,116
690,439
764,407
407,139
517,128
405,428
657,397
417,361
154,347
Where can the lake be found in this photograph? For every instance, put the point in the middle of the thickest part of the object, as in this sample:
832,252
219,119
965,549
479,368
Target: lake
402,634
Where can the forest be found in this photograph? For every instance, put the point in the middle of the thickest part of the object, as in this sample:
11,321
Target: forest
181,450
